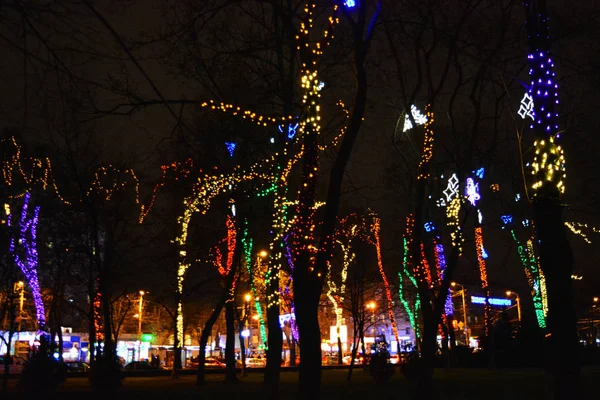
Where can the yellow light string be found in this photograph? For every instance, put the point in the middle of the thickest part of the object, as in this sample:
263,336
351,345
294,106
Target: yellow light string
452,214
575,227
261,120
427,144
548,165
107,179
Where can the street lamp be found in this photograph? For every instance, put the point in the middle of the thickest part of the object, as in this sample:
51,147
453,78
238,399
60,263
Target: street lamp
464,304
140,307
371,305
509,293
263,254
21,288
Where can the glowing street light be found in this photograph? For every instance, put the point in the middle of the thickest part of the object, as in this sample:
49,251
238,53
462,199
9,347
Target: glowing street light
509,293
140,307
248,297
263,254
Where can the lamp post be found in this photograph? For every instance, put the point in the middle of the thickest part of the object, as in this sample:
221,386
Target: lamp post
371,305
464,304
20,286
510,293
247,299
140,307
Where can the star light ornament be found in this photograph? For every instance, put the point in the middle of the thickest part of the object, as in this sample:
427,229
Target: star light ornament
419,118
452,189
526,107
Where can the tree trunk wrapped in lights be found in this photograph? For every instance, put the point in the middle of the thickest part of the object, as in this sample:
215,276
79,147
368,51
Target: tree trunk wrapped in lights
547,187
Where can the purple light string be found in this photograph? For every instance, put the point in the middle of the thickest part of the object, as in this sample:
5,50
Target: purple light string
288,255
439,250
29,265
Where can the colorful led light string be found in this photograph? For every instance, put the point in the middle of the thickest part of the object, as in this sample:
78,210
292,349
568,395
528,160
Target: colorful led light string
483,274
406,273
548,166
427,152
107,179
440,262
29,264
534,275
335,295
247,246
309,128
376,229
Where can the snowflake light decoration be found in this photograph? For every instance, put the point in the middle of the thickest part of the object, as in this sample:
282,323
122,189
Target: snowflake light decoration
526,107
506,219
429,227
419,118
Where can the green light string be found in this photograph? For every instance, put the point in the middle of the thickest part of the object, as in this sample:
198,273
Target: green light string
533,278
247,245
409,310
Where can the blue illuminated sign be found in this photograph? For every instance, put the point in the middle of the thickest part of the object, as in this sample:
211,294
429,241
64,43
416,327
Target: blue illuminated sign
492,300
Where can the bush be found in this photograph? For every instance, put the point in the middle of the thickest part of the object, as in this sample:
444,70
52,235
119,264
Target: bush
42,373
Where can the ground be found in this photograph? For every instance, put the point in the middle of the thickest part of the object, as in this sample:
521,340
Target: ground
463,384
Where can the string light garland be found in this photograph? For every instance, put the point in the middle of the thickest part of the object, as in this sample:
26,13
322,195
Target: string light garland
247,243
107,180
376,229
575,227
98,326
427,144
440,262
534,278
482,273
406,274
453,217
27,259
548,166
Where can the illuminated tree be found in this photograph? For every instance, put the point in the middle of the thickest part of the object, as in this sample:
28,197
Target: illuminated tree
27,259
547,188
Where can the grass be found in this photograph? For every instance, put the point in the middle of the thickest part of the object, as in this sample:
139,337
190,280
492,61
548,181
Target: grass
463,384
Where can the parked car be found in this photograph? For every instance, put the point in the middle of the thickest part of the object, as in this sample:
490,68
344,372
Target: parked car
15,364
141,366
209,362
213,362
256,362
77,366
